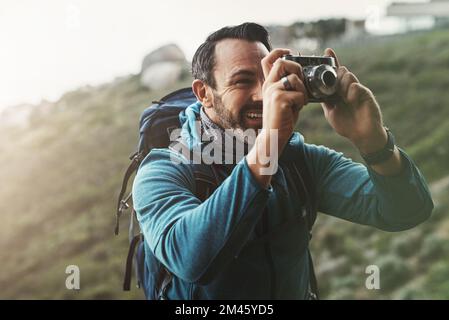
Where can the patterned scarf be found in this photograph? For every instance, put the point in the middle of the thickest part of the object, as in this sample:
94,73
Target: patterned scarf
229,143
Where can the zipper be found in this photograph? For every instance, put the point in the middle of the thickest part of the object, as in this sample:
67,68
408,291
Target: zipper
271,266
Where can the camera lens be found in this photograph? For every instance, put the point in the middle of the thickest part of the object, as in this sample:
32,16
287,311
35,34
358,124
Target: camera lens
321,81
328,78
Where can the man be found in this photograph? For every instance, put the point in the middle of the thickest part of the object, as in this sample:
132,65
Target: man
232,246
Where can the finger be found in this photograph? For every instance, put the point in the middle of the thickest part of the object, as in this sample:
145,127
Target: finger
289,99
282,68
358,93
296,99
346,80
268,61
296,83
331,53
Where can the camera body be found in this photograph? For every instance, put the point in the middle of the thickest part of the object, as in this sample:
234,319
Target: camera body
320,76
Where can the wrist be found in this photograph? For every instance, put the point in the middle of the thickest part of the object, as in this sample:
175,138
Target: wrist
375,143
262,159
381,155
391,167
256,168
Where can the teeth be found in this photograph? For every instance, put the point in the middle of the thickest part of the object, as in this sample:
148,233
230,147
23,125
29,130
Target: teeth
253,115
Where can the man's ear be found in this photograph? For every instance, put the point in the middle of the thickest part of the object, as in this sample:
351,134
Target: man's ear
202,92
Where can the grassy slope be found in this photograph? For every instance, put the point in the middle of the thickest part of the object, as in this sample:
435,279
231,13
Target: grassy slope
61,178
408,75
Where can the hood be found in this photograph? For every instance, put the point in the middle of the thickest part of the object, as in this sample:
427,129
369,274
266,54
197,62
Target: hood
190,125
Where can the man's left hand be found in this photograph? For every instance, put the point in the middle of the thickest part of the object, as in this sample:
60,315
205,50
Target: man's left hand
356,115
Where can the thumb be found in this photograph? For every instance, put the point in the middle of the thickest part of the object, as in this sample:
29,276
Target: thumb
327,108
331,53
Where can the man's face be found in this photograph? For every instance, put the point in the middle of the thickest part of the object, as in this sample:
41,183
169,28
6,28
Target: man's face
237,101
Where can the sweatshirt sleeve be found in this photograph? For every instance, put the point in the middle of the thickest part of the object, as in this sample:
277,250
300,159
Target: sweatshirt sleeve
193,239
354,192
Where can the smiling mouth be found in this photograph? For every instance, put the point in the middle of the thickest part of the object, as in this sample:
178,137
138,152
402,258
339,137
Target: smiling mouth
254,114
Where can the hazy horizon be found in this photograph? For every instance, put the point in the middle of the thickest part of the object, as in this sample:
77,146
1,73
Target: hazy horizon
50,46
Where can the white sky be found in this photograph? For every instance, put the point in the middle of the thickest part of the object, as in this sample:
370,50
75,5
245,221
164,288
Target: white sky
50,46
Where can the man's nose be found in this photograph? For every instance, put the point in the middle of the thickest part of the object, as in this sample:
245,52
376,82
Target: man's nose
257,92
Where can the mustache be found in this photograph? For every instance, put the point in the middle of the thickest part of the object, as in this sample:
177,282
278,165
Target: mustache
252,106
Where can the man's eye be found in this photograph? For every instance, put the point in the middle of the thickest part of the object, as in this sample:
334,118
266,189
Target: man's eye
243,81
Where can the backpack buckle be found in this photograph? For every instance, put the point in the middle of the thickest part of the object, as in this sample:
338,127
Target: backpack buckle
136,156
124,203
122,207
168,277
131,157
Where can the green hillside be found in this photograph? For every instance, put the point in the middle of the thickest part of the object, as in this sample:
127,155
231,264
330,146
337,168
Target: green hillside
61,177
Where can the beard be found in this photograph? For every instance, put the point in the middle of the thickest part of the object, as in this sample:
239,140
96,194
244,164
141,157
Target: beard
228,120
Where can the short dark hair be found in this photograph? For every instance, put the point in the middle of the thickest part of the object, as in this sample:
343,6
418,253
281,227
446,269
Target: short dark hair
203,61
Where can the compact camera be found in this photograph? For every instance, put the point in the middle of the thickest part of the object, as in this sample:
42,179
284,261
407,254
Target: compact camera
320,76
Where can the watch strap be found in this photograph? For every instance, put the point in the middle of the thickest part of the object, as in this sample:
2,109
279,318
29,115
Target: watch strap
382,155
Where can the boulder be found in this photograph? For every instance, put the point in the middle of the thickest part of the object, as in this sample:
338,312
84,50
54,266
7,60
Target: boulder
163,67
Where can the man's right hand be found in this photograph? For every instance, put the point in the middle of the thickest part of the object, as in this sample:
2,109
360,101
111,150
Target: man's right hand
280,111
280,106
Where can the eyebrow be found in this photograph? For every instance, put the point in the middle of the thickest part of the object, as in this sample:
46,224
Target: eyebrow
242,72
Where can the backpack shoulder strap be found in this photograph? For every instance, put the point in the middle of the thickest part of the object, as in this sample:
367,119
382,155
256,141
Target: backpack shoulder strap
206,176
206,180
306,186
122,202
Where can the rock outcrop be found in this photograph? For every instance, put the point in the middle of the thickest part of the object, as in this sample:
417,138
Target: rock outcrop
163,67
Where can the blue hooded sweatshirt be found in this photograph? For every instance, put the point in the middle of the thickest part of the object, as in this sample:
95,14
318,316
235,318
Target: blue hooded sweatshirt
217,249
